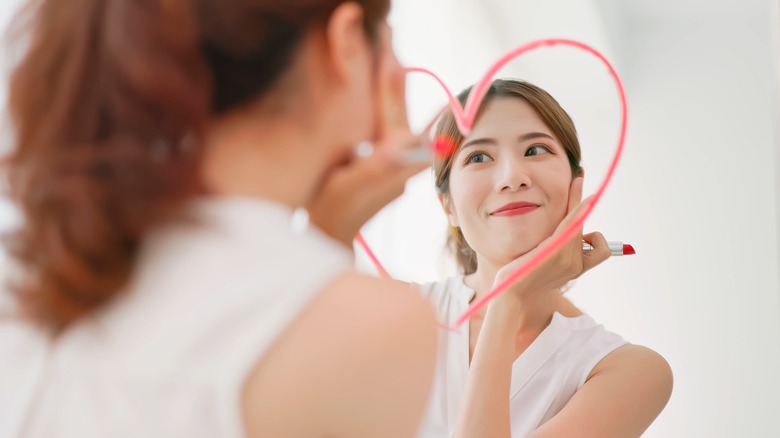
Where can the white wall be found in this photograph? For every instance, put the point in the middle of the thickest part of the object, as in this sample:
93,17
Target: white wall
7,10
700,187
696,193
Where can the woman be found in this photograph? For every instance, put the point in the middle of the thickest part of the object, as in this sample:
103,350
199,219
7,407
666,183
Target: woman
531,363
161,148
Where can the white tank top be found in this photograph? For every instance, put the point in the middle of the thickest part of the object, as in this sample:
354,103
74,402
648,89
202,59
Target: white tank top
168,358
544,376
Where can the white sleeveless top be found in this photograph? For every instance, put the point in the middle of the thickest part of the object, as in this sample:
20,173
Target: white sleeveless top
168,358
544,376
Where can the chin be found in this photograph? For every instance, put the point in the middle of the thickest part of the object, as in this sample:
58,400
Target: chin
521,244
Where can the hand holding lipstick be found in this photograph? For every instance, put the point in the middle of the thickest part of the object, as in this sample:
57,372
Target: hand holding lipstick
615,248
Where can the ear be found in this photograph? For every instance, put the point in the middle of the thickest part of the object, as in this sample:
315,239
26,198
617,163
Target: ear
347,43
449,210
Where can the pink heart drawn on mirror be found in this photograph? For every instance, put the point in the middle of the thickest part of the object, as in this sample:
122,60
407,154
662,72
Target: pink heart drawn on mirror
465,117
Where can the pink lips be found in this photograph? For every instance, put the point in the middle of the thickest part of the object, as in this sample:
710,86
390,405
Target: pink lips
515,208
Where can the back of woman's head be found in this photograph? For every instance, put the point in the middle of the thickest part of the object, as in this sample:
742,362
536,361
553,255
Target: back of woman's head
548,109
108,106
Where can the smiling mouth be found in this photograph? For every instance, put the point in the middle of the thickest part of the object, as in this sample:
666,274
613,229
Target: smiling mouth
515,209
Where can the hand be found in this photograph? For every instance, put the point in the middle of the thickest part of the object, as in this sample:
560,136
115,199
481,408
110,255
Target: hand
567,264
356,191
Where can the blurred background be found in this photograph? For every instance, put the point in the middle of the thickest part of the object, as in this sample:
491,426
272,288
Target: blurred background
697,192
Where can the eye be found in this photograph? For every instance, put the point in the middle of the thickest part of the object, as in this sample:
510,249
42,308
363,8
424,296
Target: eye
537,149
478,157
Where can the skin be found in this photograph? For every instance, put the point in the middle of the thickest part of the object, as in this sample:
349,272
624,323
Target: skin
512,156
373,380
494,167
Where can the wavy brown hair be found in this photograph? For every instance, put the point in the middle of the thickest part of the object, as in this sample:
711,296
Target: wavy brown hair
108,107
548,109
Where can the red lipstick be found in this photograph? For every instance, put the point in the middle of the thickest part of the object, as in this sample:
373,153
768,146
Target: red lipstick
514,209
616,248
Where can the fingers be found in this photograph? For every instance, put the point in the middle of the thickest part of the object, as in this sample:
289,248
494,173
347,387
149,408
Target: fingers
575,193
392,95
598,255
573,248
420,149
381,176
395,139
575,206
578,210
575,201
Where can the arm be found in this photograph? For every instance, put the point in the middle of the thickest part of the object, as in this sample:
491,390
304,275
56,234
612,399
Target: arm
485,409
624,393
359,362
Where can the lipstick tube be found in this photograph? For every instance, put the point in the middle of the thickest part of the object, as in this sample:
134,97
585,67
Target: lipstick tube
616,248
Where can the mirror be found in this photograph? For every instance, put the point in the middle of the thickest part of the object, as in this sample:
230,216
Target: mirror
697,192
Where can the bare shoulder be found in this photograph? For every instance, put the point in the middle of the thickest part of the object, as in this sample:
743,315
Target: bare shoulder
642,370
622,396
384,299
358,361
640,364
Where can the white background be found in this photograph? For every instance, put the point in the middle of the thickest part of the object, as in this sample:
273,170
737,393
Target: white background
696,193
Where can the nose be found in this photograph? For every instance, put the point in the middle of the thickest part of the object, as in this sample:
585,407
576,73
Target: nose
511,176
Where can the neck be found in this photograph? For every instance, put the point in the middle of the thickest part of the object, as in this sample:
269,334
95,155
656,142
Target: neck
535,310
277,158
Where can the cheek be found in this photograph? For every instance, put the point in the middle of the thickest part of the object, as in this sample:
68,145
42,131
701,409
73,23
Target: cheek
558,190
468,192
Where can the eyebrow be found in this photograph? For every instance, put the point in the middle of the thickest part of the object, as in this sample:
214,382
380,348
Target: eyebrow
492,141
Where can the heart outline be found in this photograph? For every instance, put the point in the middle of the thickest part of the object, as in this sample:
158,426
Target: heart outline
465,116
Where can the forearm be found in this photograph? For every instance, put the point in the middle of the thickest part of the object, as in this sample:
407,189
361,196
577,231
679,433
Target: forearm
485,408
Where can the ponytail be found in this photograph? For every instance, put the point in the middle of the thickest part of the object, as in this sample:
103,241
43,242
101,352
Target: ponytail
106,106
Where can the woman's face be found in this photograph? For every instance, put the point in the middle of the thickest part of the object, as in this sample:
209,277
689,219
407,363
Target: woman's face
509,182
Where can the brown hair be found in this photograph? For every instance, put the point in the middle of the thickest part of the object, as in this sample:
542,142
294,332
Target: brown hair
108,106
548,109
